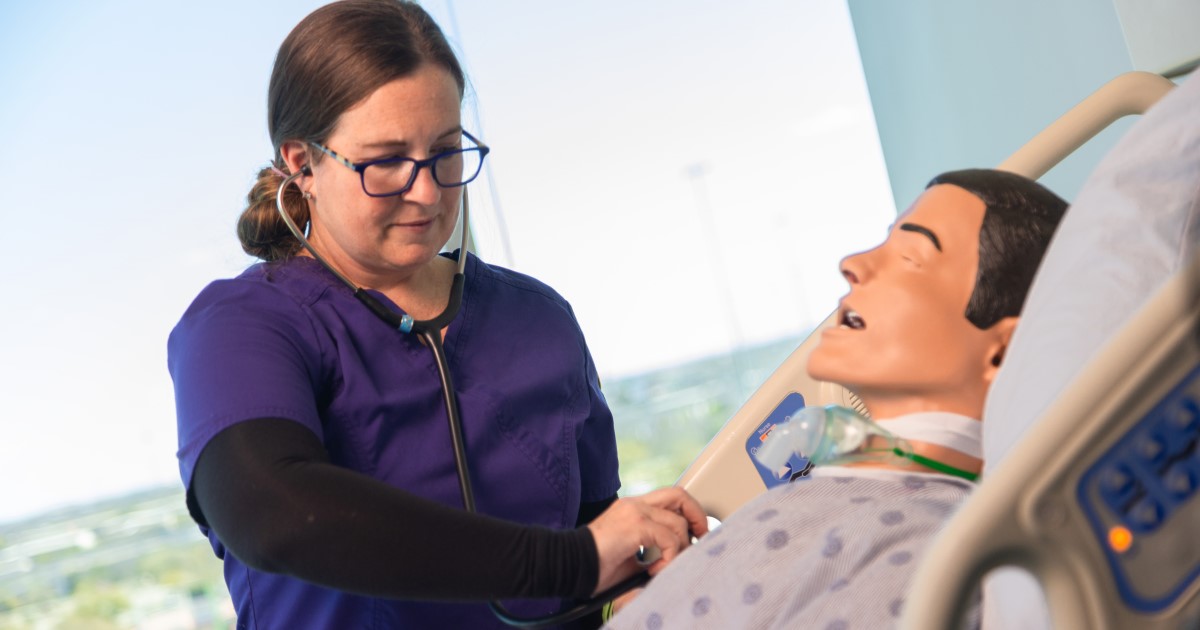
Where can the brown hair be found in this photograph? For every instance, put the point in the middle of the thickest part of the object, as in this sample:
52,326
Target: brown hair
334,58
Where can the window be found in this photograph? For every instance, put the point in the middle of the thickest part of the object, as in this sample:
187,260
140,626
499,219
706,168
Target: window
686,173
688,176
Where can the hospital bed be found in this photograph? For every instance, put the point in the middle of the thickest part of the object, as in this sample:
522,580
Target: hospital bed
1115,541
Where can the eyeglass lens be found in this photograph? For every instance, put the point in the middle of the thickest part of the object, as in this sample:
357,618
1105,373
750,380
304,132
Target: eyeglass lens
449,169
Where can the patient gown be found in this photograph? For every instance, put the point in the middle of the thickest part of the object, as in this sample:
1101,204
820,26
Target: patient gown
835,551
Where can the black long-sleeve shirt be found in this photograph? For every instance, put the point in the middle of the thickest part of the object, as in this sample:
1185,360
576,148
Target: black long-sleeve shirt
276,502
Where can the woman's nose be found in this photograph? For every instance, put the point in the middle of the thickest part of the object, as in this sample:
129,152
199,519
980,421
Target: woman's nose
424,190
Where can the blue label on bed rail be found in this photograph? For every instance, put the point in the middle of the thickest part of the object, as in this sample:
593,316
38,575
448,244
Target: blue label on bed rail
797,467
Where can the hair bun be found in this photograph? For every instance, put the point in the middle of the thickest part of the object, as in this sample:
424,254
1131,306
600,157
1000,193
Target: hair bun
260,229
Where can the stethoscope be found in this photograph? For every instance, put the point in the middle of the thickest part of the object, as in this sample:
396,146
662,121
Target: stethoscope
429,331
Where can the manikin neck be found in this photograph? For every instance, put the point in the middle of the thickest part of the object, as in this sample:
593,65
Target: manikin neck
949,437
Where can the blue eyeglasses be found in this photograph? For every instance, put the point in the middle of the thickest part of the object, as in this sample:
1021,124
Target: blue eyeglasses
394,176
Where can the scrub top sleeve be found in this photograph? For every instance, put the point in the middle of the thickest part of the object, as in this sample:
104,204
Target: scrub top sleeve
241,351
597,445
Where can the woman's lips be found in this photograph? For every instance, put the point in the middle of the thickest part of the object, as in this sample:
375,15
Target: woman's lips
414,225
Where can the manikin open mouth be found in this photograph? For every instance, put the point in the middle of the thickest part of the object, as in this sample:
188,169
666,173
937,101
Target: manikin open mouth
851,319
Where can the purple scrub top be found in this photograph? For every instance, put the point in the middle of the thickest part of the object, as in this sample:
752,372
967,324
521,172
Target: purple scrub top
289,340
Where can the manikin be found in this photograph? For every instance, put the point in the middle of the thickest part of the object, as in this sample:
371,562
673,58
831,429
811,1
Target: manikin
922,333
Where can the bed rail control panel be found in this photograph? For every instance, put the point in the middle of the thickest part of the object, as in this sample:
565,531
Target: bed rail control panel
1141,498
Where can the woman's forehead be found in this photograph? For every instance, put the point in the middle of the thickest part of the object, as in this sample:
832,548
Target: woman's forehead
424,104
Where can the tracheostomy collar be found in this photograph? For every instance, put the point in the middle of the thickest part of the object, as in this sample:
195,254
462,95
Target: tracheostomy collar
951,430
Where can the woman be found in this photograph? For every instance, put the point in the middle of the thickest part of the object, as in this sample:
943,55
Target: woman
313,440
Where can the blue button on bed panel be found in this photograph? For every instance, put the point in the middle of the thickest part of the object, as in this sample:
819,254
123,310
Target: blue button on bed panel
1151,449
1176,442
1180,480
1145,515
1118,487
1185,417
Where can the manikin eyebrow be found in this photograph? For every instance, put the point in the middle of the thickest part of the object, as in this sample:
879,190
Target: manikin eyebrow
920,229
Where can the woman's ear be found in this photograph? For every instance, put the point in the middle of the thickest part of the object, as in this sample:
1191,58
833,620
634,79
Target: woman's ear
295,155
1001,335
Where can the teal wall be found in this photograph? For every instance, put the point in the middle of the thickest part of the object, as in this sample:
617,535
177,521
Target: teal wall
964,83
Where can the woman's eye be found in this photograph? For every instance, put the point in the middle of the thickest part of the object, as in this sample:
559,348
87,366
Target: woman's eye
389,163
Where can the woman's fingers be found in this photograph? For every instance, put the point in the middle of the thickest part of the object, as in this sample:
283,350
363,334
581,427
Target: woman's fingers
664,520
676,524
679,501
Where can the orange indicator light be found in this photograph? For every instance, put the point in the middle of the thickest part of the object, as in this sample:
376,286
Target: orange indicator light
1120,539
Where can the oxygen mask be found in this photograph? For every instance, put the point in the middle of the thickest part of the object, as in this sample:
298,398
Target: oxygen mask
838,435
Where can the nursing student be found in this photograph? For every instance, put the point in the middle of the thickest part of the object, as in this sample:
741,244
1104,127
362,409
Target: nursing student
313,441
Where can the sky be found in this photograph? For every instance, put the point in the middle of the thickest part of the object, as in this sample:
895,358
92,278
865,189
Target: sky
687,173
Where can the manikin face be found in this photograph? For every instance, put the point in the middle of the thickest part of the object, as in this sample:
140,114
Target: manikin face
379,240
904,343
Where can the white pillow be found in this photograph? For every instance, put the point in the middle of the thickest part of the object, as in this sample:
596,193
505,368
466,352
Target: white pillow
1133,225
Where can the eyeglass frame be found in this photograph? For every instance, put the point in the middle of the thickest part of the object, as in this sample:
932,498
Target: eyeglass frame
361,167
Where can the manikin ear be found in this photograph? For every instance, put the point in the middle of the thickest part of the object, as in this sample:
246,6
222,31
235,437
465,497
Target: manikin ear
1001,334
295,155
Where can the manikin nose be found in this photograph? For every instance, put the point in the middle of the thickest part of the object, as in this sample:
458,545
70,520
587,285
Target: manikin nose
852,268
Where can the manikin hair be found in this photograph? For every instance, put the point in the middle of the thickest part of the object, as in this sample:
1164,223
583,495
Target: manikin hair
1020,219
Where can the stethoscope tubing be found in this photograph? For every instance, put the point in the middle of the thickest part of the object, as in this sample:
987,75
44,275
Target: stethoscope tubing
430,331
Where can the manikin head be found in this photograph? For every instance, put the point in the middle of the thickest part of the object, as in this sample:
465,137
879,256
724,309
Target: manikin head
931,310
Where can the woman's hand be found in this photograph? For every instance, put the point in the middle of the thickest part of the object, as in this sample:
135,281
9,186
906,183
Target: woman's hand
665,519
